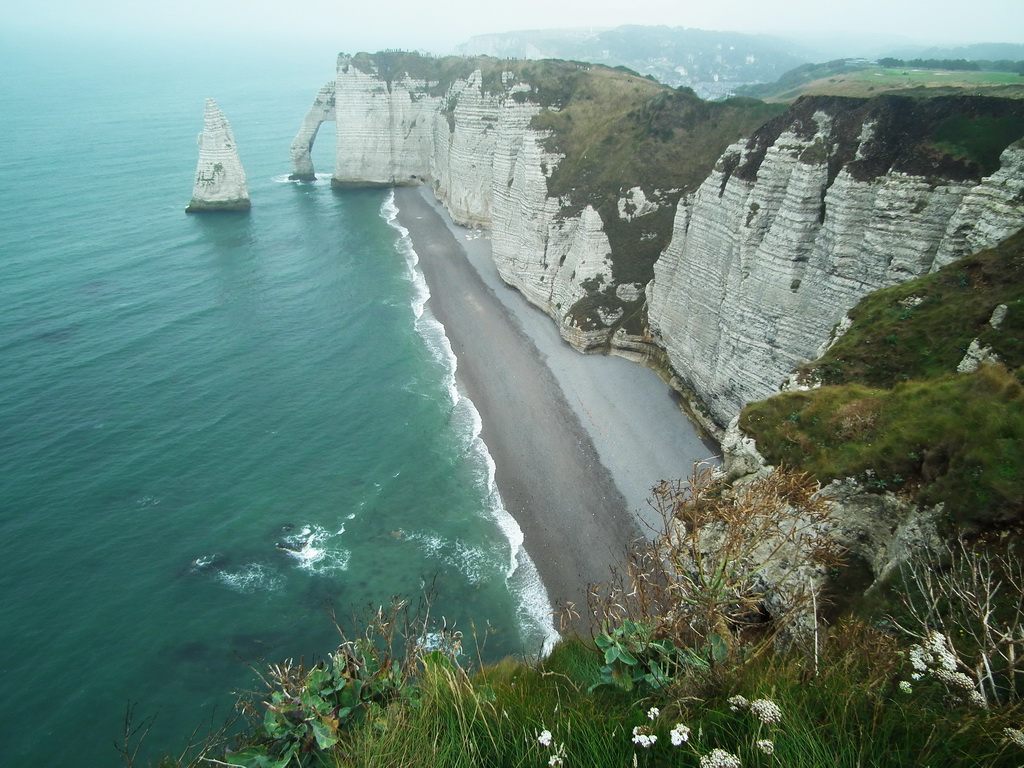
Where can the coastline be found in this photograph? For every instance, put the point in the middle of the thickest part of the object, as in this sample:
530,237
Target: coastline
575,458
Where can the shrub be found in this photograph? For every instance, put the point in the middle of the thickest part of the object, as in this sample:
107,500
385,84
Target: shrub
733,570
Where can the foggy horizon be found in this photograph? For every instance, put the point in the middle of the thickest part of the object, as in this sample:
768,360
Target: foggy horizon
320,25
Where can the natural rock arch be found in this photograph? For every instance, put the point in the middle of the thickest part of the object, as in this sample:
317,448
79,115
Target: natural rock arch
322,111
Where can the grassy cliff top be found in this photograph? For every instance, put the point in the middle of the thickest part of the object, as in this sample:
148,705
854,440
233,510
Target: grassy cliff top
842,78
895,413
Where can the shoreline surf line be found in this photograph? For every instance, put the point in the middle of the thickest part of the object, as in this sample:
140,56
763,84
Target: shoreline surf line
533,603
576,523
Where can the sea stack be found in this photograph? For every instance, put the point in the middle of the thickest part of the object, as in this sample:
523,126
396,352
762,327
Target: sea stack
220,179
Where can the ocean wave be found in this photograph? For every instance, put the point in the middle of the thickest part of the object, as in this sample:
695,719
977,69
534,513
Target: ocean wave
533,605
474,563
427,326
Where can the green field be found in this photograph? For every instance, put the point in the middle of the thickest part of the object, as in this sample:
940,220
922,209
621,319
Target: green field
871,81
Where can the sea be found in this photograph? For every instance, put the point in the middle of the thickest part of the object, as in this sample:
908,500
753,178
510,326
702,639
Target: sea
220,435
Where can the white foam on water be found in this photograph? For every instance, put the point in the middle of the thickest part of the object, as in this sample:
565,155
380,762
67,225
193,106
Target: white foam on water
253,577
321,179
534,607
427,326
313,550
474,563
147,501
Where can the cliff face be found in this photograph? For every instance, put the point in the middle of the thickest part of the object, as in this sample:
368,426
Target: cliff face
472,142
832,200
220,183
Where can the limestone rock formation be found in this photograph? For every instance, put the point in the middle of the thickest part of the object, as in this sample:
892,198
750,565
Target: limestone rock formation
322,111
474,145
834,199
220,179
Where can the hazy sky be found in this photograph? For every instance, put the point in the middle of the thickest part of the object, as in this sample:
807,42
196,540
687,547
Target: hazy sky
437,26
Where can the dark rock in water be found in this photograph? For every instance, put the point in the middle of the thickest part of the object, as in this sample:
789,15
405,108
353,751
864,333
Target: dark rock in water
287,528
290,546
208,563
194,651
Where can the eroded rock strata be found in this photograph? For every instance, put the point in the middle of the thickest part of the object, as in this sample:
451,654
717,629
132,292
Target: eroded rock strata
790,228
220,179
836,199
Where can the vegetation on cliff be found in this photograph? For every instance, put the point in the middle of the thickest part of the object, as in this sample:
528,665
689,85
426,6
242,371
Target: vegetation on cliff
699,669
847,77
700,656
895,412
617,131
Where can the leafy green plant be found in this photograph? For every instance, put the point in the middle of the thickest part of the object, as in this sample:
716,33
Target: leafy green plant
309,711
632,657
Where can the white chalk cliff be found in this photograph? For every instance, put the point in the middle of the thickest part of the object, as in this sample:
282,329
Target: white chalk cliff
831,201
220,179
781,241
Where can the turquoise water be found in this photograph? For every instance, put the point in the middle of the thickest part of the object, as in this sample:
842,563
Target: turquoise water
181,394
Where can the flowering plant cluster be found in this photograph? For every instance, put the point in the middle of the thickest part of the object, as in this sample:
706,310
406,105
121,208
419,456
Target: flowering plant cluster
1015,736
935,657
766,711
557,757
719,758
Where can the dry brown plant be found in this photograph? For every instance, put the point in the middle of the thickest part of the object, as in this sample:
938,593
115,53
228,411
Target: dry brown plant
974,596
854,419
732,568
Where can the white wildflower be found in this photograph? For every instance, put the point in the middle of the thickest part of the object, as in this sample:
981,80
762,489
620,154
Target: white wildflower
652,713
679,734
905,687
916,676
975,699
766,746
545,738
1015,735
643,737
938,644
719,758
555,761
736,703
954,679
767,711
918,659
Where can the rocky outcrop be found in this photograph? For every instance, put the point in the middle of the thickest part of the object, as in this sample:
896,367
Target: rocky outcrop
220,179
320,112
834,200
881,530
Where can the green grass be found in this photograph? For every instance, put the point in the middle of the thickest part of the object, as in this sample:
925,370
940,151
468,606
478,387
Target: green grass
895,414
979,139
841,79
846,713
922,328
957,439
